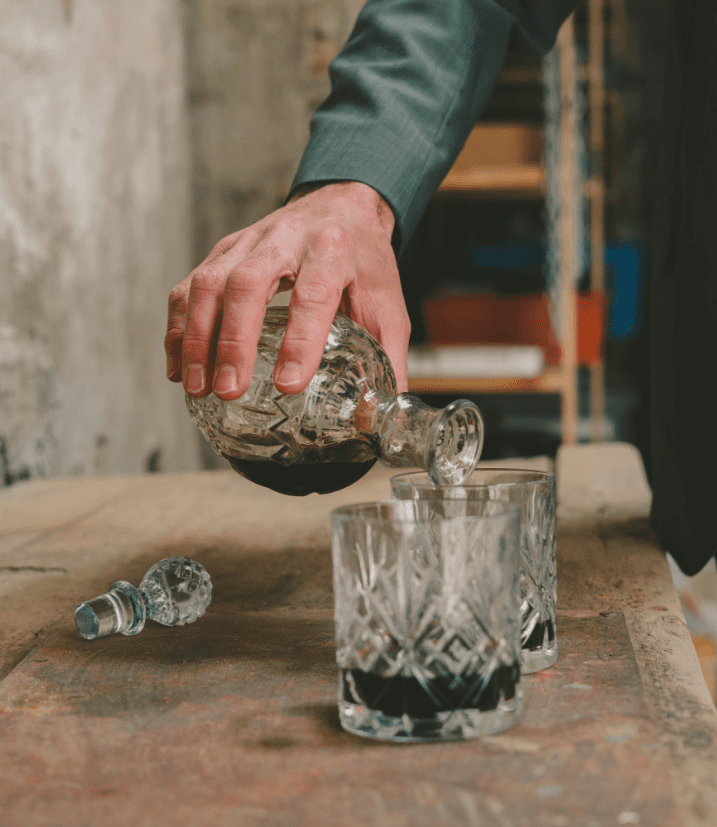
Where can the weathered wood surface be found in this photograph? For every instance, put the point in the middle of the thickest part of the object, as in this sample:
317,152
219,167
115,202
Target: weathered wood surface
236,720
233,721
608,560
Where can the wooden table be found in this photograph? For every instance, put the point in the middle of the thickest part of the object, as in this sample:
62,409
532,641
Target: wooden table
232,720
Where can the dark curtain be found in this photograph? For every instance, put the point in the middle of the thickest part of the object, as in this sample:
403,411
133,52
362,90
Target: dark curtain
683,295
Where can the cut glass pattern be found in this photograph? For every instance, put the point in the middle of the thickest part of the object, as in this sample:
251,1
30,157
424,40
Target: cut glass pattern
534,492
174,592
427,628
329,435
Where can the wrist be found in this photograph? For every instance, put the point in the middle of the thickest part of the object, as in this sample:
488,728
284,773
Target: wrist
360,195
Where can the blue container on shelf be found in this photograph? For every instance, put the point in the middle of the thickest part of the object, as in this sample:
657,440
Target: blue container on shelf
625,288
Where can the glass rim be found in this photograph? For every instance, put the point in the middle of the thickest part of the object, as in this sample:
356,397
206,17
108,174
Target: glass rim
370,511
405,479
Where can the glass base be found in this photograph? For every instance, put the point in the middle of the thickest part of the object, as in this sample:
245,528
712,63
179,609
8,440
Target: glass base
456,725
533,660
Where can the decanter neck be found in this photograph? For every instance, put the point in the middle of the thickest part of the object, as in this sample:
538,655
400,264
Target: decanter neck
445,442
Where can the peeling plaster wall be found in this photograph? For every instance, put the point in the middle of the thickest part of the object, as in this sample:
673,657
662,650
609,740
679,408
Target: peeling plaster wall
95,229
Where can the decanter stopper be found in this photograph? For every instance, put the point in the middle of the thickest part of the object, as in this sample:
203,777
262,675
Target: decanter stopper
174,592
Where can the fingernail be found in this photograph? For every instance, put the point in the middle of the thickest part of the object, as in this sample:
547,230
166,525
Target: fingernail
195,378
225,379
173,366
289,373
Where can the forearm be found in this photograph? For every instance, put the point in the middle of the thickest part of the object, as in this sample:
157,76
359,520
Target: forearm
407,89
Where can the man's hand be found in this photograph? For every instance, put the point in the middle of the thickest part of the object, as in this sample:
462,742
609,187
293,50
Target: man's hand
332,246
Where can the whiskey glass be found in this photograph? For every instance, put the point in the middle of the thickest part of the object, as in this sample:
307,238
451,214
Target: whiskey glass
534,492
427,619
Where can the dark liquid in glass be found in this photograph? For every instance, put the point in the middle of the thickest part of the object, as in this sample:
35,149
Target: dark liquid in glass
400,695
337,467
537,636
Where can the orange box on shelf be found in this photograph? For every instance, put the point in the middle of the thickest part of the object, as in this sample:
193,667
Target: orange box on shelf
461,319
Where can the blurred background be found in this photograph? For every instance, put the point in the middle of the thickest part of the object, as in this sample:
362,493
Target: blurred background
136,135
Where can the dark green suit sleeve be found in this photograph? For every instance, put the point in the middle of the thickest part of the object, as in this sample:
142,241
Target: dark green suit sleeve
408,87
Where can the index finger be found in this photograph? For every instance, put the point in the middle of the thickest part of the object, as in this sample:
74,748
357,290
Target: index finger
313,305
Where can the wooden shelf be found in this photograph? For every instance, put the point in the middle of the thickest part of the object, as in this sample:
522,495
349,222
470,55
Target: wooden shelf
505,160
550,381
517,181
500,159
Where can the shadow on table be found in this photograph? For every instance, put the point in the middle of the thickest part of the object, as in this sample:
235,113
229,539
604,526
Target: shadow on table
267,634
245,579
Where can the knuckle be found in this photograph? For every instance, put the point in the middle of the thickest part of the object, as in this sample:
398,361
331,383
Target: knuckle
173,338
193,341
249,277
194,349
232,344
332,237
178,297
299,341
223,245
209,279
316,293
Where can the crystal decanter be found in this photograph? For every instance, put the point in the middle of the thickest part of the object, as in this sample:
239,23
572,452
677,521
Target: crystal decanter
174,592
328,436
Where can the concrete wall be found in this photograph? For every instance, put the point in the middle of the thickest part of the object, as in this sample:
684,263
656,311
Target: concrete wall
94,231
134,135
257,71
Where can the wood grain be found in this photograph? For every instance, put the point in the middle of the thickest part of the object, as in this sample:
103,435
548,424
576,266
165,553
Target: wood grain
232,720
